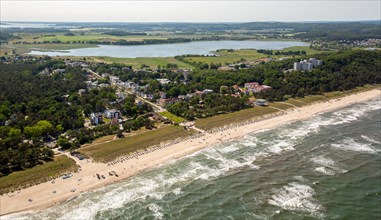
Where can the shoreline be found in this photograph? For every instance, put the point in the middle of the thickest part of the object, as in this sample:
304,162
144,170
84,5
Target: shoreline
48,194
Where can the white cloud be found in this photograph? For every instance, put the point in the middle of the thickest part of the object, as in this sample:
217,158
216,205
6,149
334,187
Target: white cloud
191,11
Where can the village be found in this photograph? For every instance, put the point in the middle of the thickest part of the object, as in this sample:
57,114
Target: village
158,100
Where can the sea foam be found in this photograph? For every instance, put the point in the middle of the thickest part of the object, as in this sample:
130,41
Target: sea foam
349,144
297,197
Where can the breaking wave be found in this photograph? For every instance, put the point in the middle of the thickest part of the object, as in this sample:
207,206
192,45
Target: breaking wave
327,165
349,144
144,195
297,197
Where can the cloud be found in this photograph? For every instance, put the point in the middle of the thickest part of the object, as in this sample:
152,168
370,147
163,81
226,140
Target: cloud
188,11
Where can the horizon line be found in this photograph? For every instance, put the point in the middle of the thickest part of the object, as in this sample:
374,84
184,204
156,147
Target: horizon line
213,22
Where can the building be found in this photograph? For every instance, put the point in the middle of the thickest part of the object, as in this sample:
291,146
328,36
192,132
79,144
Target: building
81,91
165,102
307,65
58,71
255,87
297,65
162,95
113,113
96,118
207,91
163,81
261,102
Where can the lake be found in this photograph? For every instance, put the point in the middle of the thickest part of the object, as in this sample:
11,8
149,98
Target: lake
27,25
170,50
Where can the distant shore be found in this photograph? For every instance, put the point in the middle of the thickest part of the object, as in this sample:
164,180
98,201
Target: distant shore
51,193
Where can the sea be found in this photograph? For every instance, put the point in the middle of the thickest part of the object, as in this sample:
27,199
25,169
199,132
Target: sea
326,167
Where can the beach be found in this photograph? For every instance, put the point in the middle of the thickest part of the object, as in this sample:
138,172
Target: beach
50,193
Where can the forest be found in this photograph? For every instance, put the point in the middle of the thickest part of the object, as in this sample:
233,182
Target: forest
36,109
340,71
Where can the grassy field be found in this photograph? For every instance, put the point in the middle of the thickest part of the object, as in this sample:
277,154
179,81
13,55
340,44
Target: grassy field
96,36
109,151
225,56
172,117
281,105
150,61
308,50
306,100
246,114
329,95
39,173
296,102
220,120
339,94
52,46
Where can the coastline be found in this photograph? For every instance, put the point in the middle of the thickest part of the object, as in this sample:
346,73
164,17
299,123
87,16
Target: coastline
48,194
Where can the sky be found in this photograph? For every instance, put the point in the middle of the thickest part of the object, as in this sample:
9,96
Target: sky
189,11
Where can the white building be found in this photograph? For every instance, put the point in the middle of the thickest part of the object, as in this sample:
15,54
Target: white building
307,65
164,81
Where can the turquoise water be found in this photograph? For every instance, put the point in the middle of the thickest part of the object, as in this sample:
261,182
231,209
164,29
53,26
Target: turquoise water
169,50
327,167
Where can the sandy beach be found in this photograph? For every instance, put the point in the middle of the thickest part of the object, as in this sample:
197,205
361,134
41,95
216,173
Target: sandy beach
51,193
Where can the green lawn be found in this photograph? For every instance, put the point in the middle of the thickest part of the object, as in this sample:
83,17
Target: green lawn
172,117
39,173
109,151
239,116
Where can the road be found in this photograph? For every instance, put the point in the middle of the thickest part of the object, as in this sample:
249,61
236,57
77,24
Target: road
157,108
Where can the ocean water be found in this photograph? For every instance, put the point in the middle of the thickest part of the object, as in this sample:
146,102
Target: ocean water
327,167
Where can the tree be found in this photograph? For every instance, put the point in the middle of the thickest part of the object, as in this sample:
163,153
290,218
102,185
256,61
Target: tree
63,143
42,127
14,133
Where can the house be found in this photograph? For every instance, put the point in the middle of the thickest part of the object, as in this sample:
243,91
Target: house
163,81
46,71
113,113
120,95
203,92
96,118
207,91
81,91
162,95
190,95
254,87
199,93
165,102
139,102
58,71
